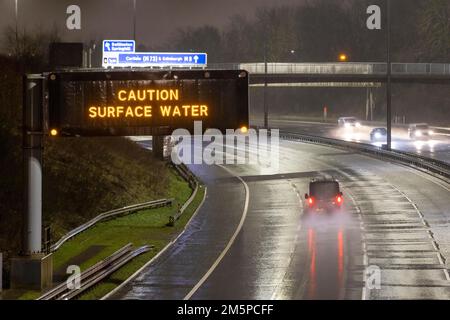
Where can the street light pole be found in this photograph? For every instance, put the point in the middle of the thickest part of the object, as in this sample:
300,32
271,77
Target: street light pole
389,74
17,25
134,20
266,107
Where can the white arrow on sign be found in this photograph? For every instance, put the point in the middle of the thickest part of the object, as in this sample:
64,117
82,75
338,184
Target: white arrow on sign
195,59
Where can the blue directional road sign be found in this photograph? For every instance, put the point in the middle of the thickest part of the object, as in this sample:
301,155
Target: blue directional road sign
148,59
118,46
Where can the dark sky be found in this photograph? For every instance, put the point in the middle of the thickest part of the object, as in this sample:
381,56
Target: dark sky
103,19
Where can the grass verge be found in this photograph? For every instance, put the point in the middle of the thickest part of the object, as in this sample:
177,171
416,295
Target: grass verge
141,228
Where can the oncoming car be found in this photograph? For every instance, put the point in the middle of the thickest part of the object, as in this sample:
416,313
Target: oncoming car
378,134
349,122
419,131
324,196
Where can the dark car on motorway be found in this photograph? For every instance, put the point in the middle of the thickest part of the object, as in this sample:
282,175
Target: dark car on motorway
324,196
419,131
378,134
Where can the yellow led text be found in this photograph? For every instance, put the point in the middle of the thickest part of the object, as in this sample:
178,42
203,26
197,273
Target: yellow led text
148,95
120,112
184,111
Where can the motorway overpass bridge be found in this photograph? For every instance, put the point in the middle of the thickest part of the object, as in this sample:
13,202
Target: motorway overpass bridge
364,74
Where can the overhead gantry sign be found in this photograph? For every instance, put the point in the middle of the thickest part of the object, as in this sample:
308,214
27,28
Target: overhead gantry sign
118,103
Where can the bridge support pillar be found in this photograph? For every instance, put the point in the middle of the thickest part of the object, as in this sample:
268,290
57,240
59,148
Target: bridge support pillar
370,104
158,147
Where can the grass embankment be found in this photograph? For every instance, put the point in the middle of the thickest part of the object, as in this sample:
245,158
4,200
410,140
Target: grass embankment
148,228
141,228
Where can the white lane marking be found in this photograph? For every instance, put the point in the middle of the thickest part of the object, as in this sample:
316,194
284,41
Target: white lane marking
433,240
275,294
437,182
428,176
364,293
425,224
134,275
230,242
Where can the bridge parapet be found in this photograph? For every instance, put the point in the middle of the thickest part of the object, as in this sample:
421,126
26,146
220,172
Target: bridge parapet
340,68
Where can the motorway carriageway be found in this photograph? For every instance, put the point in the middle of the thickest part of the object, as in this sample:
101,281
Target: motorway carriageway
437,148
250,240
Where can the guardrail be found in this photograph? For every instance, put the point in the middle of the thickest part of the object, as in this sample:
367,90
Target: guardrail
193,183
441,131
435,166
96,273
109,214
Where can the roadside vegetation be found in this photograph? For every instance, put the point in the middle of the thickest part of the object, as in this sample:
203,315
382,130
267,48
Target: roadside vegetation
319,31
82,177
146,227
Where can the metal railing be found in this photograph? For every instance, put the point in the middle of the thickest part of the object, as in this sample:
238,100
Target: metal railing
184,171
431,165
340,68
110,214
95,273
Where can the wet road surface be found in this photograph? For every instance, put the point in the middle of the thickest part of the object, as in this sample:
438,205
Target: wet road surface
436,148
395,220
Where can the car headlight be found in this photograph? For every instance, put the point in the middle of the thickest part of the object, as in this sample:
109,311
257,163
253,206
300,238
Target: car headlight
347,125
358,125
377,135
431,132
418,133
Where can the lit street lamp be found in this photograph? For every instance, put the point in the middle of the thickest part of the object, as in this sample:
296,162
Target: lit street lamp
343,57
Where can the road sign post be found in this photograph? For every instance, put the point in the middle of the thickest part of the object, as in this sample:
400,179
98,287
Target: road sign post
389,78
158,147
32,269
32,158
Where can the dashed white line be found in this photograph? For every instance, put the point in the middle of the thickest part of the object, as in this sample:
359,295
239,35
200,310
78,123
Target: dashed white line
230,242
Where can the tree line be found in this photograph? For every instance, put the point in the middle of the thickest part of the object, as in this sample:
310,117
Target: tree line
321,30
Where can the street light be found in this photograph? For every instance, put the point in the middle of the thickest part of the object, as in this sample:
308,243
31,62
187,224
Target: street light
343,57
292,53
266,108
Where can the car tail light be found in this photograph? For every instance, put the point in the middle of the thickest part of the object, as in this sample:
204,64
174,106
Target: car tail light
339,199
310,201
